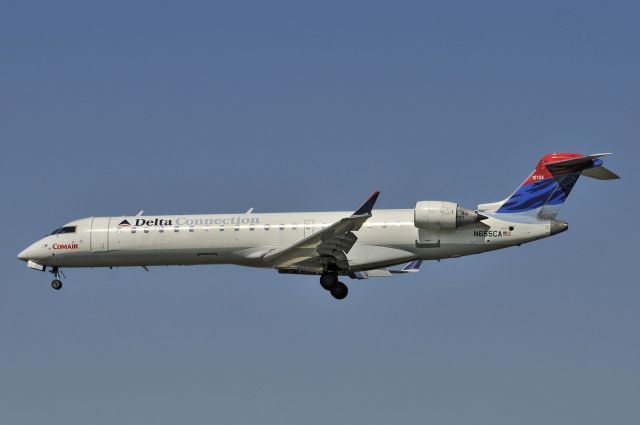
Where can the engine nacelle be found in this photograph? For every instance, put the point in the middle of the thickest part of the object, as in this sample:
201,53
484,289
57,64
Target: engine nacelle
435,215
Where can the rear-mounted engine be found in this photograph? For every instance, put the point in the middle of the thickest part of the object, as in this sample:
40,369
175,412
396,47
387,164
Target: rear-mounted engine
435,215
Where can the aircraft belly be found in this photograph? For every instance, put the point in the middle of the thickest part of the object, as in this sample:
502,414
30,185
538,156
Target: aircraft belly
156,257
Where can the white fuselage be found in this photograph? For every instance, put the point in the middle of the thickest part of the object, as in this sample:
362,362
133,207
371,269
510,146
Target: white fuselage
389,237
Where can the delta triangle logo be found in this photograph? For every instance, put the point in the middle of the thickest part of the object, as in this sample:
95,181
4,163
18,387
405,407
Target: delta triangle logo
124,223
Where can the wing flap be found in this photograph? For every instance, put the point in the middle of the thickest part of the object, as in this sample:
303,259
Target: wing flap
412,267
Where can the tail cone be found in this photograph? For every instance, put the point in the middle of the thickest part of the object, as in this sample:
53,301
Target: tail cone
558,227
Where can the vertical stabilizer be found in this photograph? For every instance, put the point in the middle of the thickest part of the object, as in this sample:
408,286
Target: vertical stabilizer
548,186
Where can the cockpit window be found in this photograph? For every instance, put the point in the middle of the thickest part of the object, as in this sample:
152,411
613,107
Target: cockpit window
66,229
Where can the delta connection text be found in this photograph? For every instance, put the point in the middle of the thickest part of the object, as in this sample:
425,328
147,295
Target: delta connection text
196,221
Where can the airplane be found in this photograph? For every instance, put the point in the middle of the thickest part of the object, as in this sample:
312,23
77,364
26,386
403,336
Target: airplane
360,245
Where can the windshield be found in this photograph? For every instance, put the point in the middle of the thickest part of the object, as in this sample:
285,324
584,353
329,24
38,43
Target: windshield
66,229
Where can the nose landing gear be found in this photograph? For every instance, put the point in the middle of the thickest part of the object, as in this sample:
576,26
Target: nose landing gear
56,283
329,281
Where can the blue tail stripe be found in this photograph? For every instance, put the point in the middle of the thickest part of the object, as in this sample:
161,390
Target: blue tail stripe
566,183
552,191
530,196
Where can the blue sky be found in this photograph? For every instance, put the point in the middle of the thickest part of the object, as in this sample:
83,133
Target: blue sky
194,107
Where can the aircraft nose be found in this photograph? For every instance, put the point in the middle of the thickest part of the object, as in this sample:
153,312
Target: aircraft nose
24,255
32,252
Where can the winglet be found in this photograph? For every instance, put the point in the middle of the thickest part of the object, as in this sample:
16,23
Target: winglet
413,266
368,205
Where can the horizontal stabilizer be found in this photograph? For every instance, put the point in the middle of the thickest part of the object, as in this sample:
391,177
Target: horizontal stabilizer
574,165
600,173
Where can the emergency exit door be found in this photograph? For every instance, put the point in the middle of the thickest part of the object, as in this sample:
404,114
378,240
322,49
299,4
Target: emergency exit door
100,234
308,228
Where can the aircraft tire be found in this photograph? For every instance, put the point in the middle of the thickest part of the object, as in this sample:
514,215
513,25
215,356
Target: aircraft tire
328,280
339,291
56,284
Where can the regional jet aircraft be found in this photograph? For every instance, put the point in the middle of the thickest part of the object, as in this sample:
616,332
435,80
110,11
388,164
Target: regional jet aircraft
359,245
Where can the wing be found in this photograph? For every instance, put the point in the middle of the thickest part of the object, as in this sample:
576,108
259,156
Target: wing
329,245
412,267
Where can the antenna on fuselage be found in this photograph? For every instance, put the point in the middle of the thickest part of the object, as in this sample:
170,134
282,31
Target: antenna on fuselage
140,213
249,211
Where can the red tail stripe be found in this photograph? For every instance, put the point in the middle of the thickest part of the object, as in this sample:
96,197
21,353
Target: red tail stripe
541,172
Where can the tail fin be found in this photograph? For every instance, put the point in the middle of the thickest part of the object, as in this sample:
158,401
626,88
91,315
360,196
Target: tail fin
548,186
413,266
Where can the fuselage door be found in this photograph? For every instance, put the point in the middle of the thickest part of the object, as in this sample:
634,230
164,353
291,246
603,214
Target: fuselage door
308,228
100,234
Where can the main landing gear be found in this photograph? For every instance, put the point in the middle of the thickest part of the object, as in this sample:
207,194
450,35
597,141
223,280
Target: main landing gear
56,283
329,281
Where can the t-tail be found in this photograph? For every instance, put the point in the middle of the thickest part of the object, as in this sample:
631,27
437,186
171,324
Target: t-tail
548,186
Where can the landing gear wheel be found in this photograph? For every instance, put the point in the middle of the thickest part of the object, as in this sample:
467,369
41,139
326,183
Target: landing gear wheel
56,284
339,291
328,280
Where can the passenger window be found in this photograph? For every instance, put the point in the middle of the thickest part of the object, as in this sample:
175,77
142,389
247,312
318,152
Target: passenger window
282,227
133,230
294,226
236,227
176,229
222,227
161,229
191,228
251,227
266,226
146,230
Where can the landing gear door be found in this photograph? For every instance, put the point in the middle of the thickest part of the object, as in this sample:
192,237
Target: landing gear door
100,234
